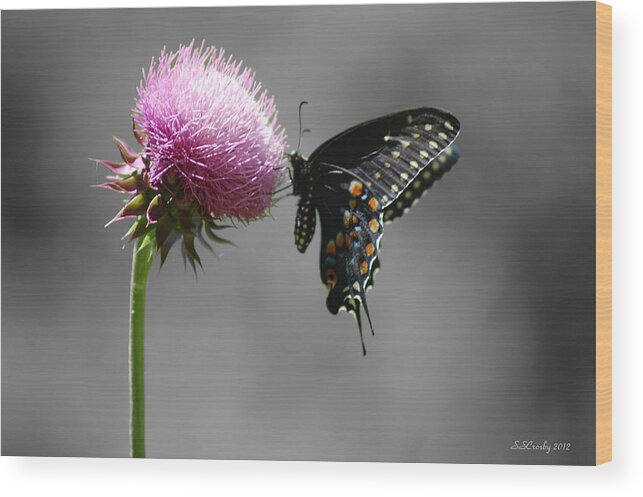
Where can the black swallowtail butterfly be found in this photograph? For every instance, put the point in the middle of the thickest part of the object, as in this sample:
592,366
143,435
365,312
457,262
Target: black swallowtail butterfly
360,179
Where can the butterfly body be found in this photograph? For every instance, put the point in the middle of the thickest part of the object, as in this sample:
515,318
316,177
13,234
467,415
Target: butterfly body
358,180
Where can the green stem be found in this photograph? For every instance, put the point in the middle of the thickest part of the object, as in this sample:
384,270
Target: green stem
141,263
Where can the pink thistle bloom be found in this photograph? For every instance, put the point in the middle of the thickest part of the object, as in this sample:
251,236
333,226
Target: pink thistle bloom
209,132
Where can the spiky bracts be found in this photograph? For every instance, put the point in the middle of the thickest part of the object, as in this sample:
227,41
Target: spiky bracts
163,216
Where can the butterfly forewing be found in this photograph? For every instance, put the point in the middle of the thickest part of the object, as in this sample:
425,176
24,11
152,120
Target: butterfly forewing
388,153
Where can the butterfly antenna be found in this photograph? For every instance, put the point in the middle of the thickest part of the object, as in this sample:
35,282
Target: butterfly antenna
301,132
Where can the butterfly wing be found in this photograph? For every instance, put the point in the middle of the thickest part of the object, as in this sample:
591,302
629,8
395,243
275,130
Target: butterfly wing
361,173
388,153
351,231
419,186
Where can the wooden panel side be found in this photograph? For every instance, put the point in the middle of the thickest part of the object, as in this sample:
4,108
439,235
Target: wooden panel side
603,233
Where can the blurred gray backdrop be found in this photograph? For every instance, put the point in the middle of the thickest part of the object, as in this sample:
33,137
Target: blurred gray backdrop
484,308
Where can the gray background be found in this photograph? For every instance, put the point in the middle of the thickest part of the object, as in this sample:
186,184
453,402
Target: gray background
484,308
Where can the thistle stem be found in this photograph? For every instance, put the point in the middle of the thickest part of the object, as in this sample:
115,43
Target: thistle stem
141,263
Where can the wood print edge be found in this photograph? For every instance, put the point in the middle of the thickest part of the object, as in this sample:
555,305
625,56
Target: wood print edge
603,233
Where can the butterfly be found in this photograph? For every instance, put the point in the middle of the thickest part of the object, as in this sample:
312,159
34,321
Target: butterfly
360,179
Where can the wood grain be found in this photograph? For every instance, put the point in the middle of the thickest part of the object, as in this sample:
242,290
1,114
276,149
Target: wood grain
603,233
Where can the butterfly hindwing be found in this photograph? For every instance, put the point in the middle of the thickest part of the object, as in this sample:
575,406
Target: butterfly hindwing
351,225
419,186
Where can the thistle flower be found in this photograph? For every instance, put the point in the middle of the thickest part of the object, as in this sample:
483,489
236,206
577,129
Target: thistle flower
212,149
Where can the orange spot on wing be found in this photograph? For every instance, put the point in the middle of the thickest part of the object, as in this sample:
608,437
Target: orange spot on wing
330,248
331,277
373,204
355,219
370,249
347,219
363,267
374,225
356,188
340,240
